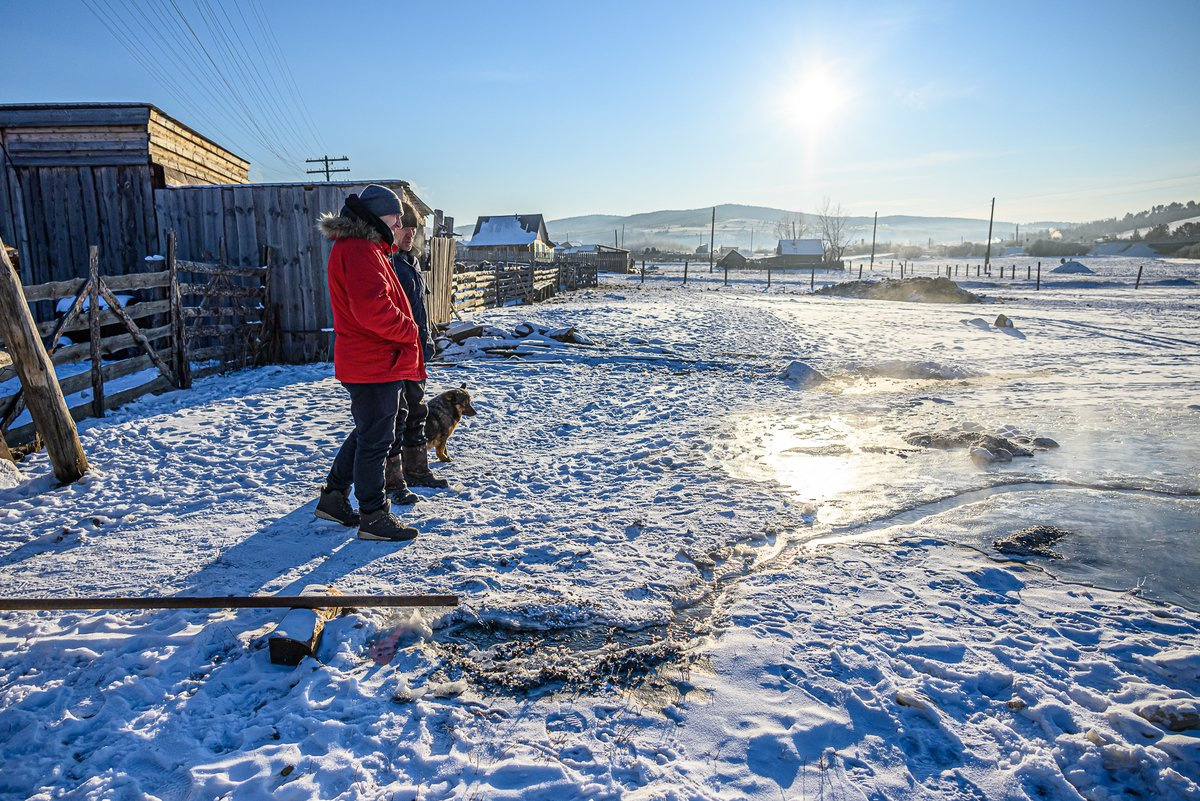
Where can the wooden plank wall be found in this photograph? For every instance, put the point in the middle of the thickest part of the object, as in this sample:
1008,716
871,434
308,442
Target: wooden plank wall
249,217
52,214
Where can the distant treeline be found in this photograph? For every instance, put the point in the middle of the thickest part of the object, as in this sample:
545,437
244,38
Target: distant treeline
1155,216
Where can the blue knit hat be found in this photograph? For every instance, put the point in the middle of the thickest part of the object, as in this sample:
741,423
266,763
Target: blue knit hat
379,200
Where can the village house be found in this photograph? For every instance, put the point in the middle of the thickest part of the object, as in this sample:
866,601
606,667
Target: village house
510,237
799,253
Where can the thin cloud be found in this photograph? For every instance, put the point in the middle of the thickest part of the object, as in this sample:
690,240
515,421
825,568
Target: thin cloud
933,93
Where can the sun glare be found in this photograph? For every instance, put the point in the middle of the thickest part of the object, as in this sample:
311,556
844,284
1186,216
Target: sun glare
816,99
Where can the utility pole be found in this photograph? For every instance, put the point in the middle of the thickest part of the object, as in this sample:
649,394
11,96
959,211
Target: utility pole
712,235
987,258
874,227
326,160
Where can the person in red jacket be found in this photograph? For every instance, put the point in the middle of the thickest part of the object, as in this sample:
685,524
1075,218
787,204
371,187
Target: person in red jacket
376,349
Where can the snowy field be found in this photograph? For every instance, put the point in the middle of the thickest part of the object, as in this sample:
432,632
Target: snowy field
707,557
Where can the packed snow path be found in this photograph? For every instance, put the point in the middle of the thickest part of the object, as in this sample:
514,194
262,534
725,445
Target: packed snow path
851,648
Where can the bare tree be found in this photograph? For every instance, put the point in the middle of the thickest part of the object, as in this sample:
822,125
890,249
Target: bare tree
834,226
791,226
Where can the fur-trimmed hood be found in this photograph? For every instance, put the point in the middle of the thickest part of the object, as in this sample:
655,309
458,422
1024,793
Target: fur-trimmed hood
337,227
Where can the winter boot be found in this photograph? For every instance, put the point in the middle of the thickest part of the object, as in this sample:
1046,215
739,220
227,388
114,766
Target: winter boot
416,468
383,525
334,505
393,482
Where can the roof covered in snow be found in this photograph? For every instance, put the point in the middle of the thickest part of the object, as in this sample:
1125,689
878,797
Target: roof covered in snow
801,247
509,229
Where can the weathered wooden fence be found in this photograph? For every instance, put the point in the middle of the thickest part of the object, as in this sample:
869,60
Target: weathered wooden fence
222,325
475,288
283,217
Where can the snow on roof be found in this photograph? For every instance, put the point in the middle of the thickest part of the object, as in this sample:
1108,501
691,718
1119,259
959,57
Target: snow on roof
801,247
509,229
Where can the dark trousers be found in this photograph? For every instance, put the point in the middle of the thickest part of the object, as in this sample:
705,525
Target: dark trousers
410,418
361,458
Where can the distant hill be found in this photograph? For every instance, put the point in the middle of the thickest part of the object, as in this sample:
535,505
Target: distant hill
739,226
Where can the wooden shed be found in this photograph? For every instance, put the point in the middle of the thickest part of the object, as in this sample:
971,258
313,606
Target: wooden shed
733,260
75,175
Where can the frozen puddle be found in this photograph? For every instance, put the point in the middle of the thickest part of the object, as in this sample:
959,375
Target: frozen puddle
1120,539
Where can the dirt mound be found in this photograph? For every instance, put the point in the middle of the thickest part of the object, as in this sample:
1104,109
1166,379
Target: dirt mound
911,290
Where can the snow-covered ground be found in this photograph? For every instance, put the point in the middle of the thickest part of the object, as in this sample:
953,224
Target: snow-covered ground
718,523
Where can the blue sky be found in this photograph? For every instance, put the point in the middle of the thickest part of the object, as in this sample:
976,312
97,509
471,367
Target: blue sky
1061,110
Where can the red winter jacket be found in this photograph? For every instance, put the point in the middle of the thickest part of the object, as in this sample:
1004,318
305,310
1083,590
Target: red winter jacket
376,340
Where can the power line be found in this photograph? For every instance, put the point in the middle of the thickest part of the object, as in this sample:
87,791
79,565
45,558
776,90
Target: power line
121,26
285,71
263,136
146,59
253,87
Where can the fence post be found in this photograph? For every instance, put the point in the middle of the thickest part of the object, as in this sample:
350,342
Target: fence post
860,271
94,330
183,368
726,273
768,275
1138,284
1039,277
43,395
685,268
643,271
812,280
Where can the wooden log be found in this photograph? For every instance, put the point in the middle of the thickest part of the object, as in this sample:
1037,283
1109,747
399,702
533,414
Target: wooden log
227,602
39,383
179,354
94,338
299,633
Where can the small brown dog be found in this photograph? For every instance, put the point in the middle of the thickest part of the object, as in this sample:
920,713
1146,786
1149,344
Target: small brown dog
445,411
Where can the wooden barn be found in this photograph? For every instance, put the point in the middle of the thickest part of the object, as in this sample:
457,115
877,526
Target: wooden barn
510,237
733,260
75,175
605,258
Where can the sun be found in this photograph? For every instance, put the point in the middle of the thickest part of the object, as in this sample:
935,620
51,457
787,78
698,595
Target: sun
816,98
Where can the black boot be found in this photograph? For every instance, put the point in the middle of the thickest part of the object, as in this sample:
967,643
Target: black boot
393,482
334,505
383,525
416,468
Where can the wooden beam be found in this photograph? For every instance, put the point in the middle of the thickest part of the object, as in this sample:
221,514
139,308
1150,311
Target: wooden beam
227,602
47,406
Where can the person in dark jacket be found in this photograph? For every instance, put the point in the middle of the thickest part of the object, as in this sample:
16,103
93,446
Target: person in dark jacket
408,460
376,350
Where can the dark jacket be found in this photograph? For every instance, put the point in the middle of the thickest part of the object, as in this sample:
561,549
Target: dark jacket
377,337
408,270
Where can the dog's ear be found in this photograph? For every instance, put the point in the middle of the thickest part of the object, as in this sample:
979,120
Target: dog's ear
463,386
